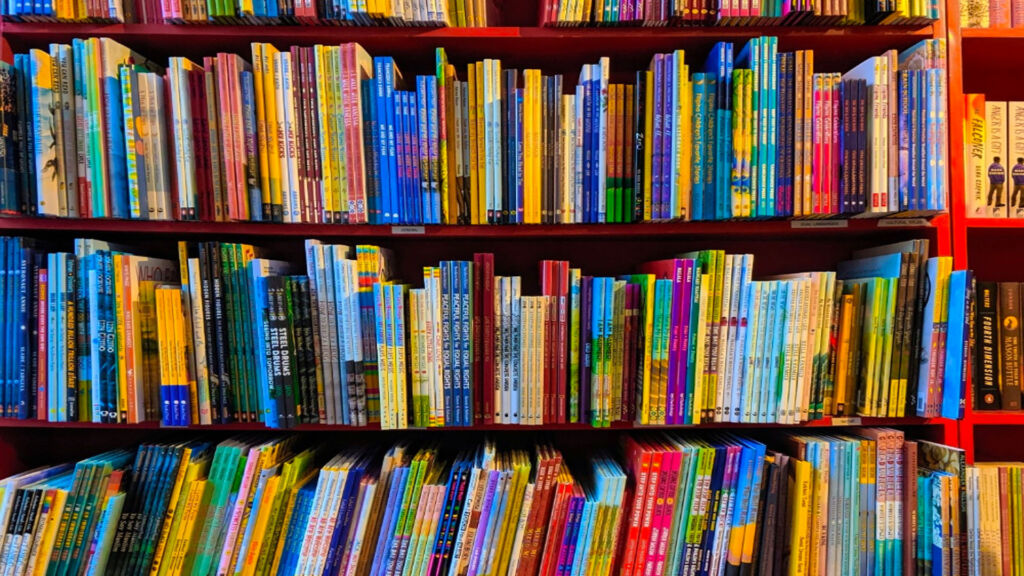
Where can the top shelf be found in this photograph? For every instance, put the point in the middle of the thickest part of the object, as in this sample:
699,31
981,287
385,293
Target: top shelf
526,46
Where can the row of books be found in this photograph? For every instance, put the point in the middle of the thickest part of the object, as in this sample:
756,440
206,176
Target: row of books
995,519
870,502
224,334
474,13
331,134
998,365
991,14
994,157
736,12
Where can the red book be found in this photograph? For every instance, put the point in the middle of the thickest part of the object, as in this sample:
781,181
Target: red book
651,496
561,348
1004,519
638,462
487,386
556,524
548,464
546,289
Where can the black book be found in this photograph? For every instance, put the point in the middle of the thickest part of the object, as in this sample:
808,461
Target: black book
987,395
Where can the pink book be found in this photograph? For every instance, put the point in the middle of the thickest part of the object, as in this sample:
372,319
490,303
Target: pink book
817,162
664,512
826,144
42,327
1016,10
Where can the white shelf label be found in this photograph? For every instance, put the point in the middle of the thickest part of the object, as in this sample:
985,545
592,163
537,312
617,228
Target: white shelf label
903,222
819,224
408,230
847,421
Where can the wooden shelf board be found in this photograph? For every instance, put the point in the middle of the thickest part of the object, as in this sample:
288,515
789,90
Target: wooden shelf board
245,427
796,228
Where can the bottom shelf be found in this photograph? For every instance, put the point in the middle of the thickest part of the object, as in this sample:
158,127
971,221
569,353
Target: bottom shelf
293,504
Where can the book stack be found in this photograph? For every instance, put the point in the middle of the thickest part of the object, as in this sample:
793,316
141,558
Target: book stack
995,517
721,503
332,134
473,13
991,14
225,334
994,157
997,366
750,13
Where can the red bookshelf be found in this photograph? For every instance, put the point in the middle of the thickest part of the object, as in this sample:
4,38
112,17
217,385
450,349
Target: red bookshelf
779,245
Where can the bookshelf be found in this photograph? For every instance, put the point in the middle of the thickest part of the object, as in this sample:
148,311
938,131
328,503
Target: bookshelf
597,248
780,246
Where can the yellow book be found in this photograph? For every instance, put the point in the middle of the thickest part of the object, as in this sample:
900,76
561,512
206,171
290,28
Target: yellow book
685,115
181,480
472,137
328,145
800,502
520,478
648,143
122,364
400,314
185,376
840,396
271,78
197,493
49,533
531,146
480,144
259,86
163,326
266,505
286,517
292,471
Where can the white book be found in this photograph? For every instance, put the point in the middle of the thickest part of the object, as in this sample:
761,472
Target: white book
996,160
1014,162
315,522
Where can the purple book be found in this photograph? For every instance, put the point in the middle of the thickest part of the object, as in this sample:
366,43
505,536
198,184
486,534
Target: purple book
481,530
683,299
667,114
572,531
656,154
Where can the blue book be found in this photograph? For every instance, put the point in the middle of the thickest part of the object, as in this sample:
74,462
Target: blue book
466,318
776,353
387,529
957,329
423,140
379,113
519,155
515,357
771,138
596,335
455,325
928,328
586,345
7,352
296,529
587,151
346,513
447,373
697,192
671,123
